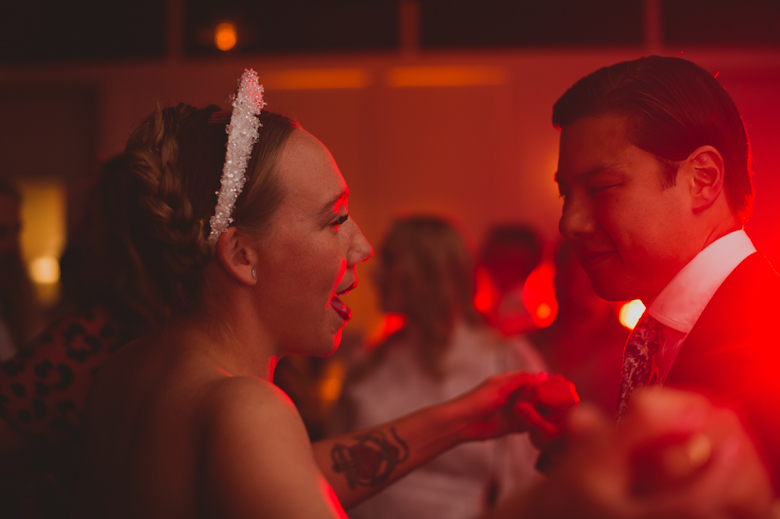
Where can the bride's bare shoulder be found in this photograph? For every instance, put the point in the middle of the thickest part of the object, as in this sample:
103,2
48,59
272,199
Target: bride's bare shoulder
237,403
254,389
255,453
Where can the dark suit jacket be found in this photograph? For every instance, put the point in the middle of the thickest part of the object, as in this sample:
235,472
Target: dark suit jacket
732,354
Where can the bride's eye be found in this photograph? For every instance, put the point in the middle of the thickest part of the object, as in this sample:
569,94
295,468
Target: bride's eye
341,219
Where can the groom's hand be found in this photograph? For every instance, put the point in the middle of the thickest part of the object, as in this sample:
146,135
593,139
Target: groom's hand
547,410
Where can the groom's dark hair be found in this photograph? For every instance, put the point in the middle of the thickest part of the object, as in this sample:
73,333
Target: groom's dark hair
672,106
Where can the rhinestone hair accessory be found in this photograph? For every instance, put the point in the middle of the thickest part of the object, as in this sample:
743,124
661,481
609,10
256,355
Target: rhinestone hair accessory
242,135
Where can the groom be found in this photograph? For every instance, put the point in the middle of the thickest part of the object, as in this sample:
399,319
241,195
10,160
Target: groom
654,173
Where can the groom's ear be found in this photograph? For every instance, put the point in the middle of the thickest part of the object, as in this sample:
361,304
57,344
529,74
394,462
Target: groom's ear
236,253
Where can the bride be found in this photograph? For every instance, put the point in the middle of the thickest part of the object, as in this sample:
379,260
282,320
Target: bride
252,249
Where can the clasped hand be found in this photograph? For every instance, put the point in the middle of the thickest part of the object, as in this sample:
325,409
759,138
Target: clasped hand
542,405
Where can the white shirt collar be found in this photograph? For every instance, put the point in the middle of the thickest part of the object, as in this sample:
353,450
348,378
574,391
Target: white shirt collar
682,301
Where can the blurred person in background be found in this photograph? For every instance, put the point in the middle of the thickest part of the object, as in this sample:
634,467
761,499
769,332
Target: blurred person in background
508,255
107,301
585,342
426,273
19,309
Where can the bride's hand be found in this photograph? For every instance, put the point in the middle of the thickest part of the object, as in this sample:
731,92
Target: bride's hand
516,401
546,411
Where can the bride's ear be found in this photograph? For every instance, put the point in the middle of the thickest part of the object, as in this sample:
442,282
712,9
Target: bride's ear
236,254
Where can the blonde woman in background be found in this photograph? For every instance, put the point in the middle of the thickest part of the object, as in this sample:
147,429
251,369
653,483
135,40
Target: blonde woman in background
426,273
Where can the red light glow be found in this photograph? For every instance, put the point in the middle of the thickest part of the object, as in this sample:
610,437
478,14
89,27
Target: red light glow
390,324
539,295
484,295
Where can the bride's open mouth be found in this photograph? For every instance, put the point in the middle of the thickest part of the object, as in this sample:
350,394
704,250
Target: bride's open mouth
338,305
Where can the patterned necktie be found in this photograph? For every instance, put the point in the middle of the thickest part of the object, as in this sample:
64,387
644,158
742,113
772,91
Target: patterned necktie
641,348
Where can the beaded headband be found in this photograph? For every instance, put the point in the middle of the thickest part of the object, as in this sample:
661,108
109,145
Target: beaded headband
242,135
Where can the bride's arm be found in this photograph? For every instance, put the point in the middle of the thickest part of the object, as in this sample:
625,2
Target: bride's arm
359,464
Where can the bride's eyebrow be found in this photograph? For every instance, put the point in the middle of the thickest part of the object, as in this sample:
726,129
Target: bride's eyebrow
327,209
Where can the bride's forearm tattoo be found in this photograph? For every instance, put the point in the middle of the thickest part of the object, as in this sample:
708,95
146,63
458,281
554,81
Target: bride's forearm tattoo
371,460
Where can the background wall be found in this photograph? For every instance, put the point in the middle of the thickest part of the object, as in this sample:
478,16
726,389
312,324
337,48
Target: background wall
462,132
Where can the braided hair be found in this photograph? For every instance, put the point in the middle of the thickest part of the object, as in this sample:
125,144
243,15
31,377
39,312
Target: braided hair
168,190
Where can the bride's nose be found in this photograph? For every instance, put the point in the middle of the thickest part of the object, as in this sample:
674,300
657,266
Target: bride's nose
360,250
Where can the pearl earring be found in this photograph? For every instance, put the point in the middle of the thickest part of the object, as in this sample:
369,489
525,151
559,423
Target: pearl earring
254,274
